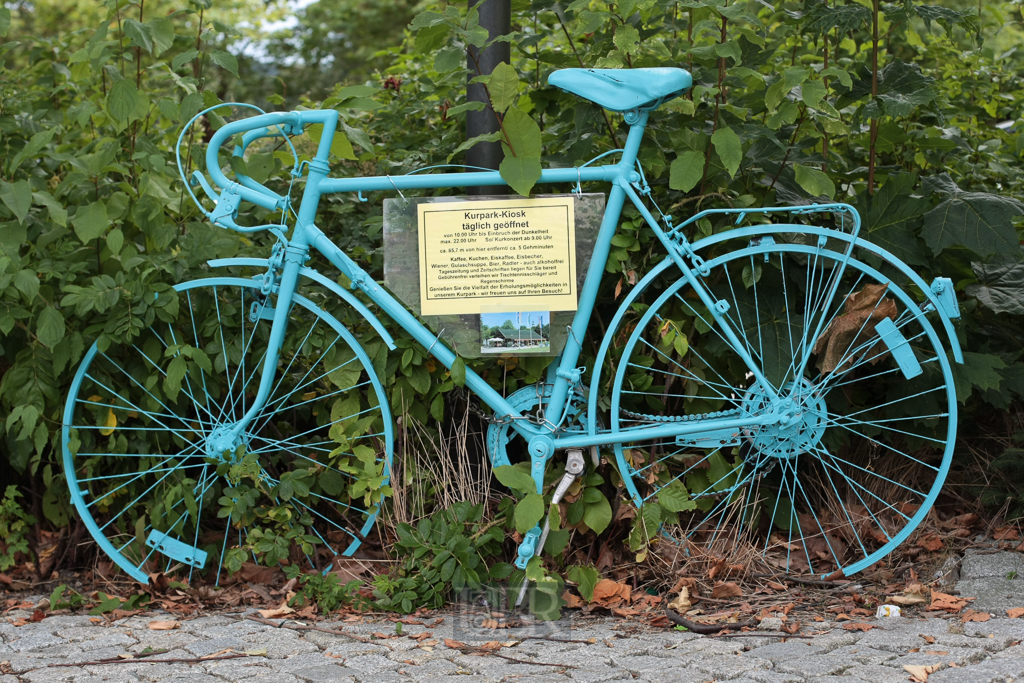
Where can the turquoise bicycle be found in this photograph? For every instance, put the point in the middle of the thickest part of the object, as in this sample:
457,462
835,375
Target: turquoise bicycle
783,384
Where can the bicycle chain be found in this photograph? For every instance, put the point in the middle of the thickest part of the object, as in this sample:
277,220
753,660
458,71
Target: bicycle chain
679,418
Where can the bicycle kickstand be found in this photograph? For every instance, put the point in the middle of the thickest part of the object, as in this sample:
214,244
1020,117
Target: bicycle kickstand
533,543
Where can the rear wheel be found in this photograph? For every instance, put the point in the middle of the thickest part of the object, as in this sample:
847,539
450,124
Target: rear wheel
861,377
160,479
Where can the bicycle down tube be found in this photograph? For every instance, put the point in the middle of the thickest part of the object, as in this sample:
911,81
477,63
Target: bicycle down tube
307,235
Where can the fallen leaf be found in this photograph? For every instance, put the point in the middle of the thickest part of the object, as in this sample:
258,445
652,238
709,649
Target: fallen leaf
791,628
931,542
163,625
915,594
864,309
491,645
276,613
726,590
454,644
853,626
38,615
716,569
928,639
682,602
776,586
421,636
489,623
1006,533
608,593
918,673
936,652
844,617
946,602
974,615
1015,612
385,636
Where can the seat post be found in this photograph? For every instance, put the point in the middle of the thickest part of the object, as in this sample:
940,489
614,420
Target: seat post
637,120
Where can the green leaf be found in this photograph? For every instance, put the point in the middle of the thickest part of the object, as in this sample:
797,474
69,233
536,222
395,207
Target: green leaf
978,371
675,498
645,526
122,99
90,221
729,149
521,173
627,39
459,372
814,181
162,30
598,515
515,479
50,326
115,240
529,512
35,144
503,87
17,197
183,58
586,579
978,221
523,133
449,59
175,373
58,214
556,541
1000,285
5,21
686,171
27,282
225,60
812,93
140,34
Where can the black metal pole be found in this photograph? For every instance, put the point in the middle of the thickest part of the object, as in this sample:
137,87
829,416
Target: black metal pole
496,17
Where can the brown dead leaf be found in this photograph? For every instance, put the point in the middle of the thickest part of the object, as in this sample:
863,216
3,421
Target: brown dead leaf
277,612
974,615
856,326
624,612
843,617
163,625
573,601
928,639
855,626
454,644
726,590
1015,612
791,628
421,636
385,636
915,594
776,586
919,674
491,645
608,593
489,623
682,602
948,603
931,542
936,652
38,615
716,569
1006,533
255,573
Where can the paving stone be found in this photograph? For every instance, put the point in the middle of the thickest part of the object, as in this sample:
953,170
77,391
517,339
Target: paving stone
994,595
201,648
1017,651
35,641
279,678
59,651
962,656
834,679
589,657
773,677
370,663
51,675
989,671
191,677
1003,631
863,655
643,663
277,647
303,661
835,639
815,665
681,675
108,640
980,566
891,640
876,673
432,668
779,651
325,673
597,674
725,667
458,678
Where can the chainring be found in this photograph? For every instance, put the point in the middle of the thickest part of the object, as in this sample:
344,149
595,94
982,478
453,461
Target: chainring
526,400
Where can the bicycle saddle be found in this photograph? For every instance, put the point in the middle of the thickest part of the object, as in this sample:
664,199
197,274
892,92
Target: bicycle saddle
624,89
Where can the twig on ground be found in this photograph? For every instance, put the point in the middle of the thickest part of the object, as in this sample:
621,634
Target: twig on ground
705,629
303,627
762,634
141,658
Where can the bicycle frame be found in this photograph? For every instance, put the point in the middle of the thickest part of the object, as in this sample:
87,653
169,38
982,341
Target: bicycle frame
623,178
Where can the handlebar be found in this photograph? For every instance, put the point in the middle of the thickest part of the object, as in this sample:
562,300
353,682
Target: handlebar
278,124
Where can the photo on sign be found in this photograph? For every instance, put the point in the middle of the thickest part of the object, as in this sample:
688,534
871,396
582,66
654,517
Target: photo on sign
517,333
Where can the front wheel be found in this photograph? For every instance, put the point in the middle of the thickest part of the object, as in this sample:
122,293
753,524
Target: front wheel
160,480
860,375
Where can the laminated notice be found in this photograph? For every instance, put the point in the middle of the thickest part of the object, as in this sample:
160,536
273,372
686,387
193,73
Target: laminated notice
498,255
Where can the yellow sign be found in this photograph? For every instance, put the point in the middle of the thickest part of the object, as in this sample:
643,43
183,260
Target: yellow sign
493,256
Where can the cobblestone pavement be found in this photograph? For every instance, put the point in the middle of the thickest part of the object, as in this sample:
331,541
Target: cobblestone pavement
965,653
